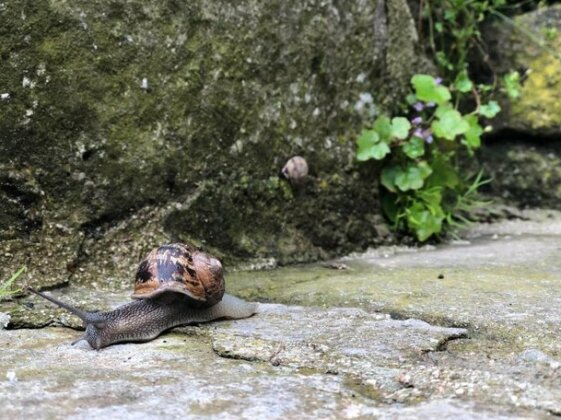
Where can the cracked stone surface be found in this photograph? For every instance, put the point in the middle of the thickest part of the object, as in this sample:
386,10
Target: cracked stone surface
338,340
469,330
202,371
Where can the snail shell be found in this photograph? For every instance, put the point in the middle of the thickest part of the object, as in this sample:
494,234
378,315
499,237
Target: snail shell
182,269
295,170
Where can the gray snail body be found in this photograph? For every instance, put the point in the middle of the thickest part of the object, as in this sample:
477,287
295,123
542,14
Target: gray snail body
144,320
175,285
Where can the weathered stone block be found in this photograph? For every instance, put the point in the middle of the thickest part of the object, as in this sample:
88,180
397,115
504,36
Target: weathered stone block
189,111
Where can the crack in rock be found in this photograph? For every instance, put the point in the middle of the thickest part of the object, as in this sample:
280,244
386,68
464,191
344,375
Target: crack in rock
443,345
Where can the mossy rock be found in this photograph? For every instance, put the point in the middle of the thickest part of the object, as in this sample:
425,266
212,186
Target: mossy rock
115,112
525,173
530,44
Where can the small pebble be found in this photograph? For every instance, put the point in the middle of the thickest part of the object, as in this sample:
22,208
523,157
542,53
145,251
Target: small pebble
335,266
405,380
4,320
11,375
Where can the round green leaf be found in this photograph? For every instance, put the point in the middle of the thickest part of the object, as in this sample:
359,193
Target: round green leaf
473,135
490,110
365,142
449,123
424,222
425,169
383,127
410,178
414,148
428,90
400,128
379,150
463,83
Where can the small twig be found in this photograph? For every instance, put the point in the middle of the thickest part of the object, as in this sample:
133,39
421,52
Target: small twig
274,359
420,21
477,100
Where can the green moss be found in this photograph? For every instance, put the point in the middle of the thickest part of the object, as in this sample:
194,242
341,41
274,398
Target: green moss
539,105
522,46
483,302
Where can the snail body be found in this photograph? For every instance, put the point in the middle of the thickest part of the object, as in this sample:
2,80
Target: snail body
144,320
175,285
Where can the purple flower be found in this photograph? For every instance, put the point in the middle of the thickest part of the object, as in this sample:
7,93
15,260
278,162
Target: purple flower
416,120
438,80
418,106
431,104
424,134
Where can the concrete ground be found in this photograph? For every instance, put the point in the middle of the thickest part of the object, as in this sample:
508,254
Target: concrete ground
468,329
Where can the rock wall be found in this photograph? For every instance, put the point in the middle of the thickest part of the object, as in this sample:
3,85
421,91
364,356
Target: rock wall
525,173
128,124
531,44
523,157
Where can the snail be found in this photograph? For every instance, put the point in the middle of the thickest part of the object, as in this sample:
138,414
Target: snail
174,285
295,170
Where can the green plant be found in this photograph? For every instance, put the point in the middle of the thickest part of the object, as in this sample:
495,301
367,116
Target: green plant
424,191
511,84
450,28
5,287
453,30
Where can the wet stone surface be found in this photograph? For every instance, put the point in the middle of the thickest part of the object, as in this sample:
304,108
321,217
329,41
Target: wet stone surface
470,329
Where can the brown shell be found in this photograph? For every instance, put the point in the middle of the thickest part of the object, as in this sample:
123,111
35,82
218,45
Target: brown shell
182,269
